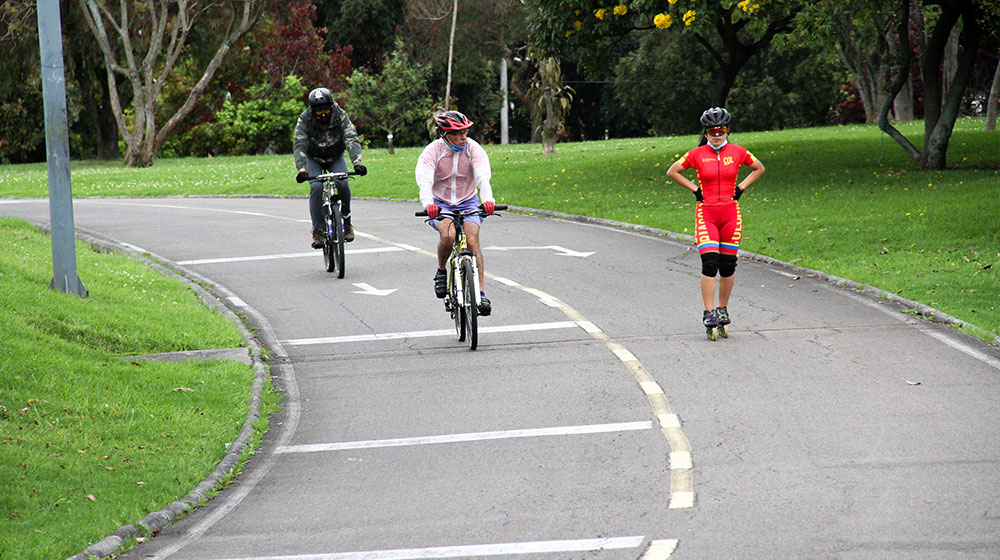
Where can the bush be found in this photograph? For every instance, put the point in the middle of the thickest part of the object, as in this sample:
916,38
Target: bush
262,123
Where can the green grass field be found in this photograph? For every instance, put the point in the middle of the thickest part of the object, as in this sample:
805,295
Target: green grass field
90,442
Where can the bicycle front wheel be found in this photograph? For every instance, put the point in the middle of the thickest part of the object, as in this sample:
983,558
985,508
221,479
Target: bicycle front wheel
470,285
338,241
457,310
329,251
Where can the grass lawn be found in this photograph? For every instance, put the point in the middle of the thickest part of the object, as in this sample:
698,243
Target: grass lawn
90,442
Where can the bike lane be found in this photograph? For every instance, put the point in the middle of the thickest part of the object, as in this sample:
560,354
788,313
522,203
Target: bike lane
810,435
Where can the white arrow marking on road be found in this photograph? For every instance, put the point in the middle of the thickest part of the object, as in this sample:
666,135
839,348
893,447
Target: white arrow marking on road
373,291
562,251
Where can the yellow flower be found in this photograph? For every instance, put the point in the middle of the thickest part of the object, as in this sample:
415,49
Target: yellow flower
599,14
577,25
689,17
663,21
744,5
621,10
672,1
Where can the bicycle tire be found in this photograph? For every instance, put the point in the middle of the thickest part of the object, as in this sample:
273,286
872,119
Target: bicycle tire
470,285
458,311
329,258
338,240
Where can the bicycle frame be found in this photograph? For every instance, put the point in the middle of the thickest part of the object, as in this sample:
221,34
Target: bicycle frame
333,237
460,254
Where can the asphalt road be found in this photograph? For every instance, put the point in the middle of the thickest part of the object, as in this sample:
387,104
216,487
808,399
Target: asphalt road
594,421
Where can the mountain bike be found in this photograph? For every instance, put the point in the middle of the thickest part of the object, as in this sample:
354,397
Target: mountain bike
463,296
333,220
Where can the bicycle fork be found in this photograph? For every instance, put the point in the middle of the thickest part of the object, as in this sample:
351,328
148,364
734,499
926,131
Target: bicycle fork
458,279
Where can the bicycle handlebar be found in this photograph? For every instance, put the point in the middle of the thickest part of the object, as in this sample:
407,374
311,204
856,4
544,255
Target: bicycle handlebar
324,176
464,213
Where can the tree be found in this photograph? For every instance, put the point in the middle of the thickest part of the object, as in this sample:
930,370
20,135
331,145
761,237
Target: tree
149,38
993,100
731,32
368,26
392,99
941,106
553,98
93,131
862,34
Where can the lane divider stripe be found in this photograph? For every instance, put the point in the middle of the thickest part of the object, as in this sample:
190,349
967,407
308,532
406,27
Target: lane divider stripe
461,438
467,551
425,334
285,256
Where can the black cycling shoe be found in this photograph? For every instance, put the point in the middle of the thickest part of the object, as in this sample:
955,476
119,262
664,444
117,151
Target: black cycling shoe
485,308
440,284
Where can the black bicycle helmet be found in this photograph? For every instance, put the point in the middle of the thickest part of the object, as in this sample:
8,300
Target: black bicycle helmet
320,98
716,116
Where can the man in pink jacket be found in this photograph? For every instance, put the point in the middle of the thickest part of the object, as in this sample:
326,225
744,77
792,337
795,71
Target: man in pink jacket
449,173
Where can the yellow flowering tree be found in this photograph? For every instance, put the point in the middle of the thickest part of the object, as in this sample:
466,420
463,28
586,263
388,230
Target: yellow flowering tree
732,31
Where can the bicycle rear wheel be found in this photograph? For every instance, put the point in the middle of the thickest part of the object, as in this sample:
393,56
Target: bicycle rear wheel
338,241
470,284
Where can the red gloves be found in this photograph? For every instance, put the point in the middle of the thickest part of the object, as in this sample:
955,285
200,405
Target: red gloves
488,207
432,211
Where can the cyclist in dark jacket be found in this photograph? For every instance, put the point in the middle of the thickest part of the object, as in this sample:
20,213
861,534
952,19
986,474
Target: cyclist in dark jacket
322,134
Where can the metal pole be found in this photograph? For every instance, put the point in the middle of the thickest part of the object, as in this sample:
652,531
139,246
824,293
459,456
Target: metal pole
504,136
64,276
451,55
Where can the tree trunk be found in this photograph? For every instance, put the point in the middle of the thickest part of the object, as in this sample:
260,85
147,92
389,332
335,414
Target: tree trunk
993,101
163,28
902,107
940,112
550,78
520,69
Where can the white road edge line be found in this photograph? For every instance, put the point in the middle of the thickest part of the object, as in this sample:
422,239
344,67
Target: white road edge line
537,547
425,334
477,436
957,345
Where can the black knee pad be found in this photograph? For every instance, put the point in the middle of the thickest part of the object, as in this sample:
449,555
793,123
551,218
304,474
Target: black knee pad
709,264
727,265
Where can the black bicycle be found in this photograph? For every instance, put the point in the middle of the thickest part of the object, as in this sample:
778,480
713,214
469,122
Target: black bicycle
463,295
333,220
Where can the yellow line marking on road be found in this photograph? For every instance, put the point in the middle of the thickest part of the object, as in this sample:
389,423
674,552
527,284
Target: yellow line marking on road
660,549
681,482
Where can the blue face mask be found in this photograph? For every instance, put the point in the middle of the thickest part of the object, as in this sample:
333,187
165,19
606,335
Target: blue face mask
455,148
720,146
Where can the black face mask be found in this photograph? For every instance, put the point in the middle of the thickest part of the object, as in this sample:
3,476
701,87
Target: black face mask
323,115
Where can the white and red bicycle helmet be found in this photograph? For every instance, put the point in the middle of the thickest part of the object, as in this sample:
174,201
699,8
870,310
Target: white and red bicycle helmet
450,121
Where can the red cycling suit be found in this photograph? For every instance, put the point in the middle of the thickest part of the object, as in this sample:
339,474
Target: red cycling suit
718,222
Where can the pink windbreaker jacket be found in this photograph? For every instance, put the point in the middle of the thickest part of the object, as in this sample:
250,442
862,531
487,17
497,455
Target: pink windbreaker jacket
453,177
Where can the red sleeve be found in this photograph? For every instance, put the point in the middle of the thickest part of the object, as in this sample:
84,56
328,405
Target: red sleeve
688,161
748,159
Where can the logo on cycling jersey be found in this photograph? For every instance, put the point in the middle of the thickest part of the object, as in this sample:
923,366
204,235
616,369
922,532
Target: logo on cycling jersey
728,160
